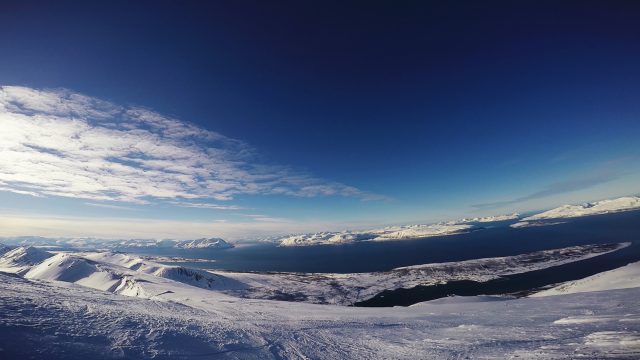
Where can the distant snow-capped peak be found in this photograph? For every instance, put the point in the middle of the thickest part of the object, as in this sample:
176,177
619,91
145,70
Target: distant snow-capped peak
216,243
625,203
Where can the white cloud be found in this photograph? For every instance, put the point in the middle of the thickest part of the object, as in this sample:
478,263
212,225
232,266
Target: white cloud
110,206
206,206
265,218
59,143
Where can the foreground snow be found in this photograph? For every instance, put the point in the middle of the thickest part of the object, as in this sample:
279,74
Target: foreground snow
571,211
620,278
55,320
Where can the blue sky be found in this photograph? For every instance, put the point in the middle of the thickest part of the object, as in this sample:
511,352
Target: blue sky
303,116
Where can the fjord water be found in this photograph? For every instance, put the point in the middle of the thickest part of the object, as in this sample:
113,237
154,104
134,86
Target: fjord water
517,284
497,239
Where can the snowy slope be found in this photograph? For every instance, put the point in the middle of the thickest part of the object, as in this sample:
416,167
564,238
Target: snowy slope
570,211
112,272
68,268
5,249
44,320
20,259
620,278
194,277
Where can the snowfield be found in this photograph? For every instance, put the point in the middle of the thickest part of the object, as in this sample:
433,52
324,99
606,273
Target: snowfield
550,217
71,306
53,320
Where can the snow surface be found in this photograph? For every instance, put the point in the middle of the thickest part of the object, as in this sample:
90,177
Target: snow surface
113,272
19,260
626,203
56,320
621,278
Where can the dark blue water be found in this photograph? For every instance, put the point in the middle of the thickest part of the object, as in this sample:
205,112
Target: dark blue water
500,240
517,284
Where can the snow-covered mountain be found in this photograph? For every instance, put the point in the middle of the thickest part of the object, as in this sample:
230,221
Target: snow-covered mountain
401,232
626,203
212,243
384,234
495,218
21,259
113,272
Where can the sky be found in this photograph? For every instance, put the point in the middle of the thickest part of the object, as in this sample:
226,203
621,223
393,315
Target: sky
243,119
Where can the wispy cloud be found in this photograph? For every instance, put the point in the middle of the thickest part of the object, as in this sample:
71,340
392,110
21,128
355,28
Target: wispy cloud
265,218
18,191
602,174
59,143
206,206
110,206
12,224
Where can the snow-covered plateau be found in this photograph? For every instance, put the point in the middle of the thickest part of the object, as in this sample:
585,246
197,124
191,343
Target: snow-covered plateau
113,305
552,216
